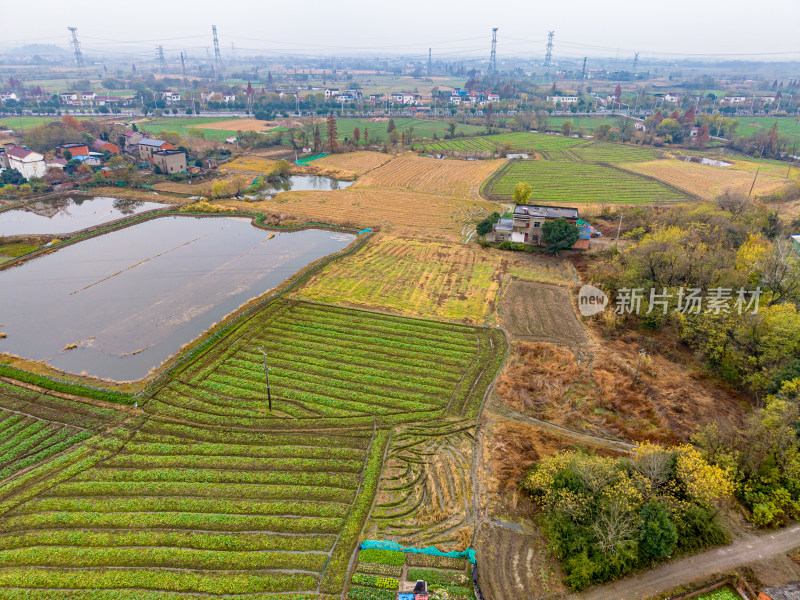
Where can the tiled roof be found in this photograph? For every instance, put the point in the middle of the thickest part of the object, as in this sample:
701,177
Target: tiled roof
18,152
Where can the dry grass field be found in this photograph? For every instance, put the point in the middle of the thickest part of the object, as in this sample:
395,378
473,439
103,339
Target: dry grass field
429,278
708,181
454,178
357,163
666,405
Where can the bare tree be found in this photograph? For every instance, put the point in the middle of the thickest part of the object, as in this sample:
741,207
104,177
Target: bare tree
625,127
780,270
614,526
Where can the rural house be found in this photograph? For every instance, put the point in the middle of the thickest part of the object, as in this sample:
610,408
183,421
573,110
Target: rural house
148,145
102,146
131,139
170,161
790,591
74,149
525,226
30,164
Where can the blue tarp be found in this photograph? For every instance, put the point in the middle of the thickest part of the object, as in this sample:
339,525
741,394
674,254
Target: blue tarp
367,230
469,553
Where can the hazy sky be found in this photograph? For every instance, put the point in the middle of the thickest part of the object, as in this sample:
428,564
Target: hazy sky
452,28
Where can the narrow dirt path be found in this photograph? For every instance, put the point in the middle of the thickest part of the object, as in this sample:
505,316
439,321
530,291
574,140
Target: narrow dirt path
585,438
697,568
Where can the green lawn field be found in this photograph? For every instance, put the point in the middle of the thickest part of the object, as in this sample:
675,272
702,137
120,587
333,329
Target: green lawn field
749,126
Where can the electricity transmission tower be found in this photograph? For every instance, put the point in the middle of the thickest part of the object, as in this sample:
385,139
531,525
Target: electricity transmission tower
79,62
493,57
583,76
635,63
183,67
429,62
162,62
548,57
219,71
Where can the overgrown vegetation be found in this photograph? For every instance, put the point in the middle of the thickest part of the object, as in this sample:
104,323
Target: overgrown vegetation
604,517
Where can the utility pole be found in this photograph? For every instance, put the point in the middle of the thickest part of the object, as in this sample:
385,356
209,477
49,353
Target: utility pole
161,60
219,71
619,228
642,352
493,55
750,193
266,376
76,48
429,62
548,57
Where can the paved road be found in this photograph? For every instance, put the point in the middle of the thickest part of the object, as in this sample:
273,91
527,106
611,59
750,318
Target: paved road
697,568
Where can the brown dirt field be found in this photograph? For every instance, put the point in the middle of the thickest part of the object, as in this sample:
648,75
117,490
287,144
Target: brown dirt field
533,311
453,178
239,125
667,404
708,181
400,212
357,163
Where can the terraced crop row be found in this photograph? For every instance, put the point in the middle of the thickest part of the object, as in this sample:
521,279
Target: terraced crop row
331,363
238,512
520,142
26,441
558,182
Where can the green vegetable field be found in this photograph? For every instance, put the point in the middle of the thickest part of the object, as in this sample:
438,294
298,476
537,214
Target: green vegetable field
556,182
201,489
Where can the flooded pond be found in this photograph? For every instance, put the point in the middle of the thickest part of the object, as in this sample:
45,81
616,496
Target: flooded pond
707,161
65,215
129,299
300,183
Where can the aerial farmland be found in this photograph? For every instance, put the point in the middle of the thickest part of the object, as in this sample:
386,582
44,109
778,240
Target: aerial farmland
361,320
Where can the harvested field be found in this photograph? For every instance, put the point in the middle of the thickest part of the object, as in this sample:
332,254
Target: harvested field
534,311
425,493
250,164
357,163
429,278
708,181
412,173
666,405
395,211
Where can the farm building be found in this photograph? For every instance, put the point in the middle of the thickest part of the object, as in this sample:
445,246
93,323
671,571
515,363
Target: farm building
790,591
796,242
30,164
148,145
170,161
131,140
525,226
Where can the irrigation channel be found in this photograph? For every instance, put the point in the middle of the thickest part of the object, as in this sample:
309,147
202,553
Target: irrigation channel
118,305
